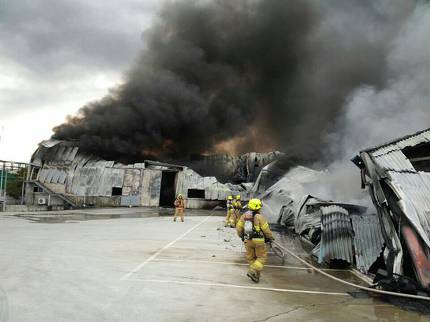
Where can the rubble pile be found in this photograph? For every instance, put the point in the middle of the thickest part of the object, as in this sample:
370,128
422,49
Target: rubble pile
390,242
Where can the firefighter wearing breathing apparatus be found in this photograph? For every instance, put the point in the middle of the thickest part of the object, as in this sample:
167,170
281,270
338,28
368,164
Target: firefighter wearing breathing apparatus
229,219
237,204
254,231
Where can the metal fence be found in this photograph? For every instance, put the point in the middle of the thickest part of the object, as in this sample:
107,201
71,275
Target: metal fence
12,175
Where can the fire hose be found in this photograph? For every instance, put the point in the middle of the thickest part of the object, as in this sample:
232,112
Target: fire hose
280,251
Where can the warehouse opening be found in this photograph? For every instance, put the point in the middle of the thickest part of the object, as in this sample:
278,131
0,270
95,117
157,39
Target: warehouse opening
167,191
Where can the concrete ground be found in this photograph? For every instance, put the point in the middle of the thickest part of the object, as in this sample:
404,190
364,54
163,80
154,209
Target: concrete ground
134,265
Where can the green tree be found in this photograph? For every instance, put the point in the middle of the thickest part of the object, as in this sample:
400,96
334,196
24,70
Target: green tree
14,183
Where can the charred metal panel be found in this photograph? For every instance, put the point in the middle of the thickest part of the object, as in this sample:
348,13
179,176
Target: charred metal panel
41,176
112,177
401,195
394,161
132,180
145,196
336,235
49,175
63,176
154,187
55,176
368,240
130,200
308,214
214,190
150,189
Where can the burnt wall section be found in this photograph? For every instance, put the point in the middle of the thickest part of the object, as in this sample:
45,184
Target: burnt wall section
228,168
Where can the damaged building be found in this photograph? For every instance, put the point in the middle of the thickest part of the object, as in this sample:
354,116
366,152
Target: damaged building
339,232
397,175
62,176
390,242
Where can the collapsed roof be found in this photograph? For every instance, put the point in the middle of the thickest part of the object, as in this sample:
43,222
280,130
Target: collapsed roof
398,177
394,243
338,230
229,168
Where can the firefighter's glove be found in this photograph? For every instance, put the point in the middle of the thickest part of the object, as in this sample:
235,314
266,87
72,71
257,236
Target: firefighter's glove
270,241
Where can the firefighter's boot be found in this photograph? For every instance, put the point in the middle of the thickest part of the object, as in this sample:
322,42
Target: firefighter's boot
253,275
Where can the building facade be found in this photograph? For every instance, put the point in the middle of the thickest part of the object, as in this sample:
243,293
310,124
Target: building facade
60,175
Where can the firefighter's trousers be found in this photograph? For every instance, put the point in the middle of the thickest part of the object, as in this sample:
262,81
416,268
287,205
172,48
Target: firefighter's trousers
256,254
179,212
237,215
230,220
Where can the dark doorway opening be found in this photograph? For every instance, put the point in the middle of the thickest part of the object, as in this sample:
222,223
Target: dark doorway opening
196,193
167,191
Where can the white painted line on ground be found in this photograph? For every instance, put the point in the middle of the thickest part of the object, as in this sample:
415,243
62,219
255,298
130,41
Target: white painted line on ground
257,288
239,264
149,259
215,262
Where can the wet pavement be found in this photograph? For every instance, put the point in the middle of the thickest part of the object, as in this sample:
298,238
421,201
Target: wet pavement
136,264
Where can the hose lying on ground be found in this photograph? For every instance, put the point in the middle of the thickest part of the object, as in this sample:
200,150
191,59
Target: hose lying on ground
364,288
277,251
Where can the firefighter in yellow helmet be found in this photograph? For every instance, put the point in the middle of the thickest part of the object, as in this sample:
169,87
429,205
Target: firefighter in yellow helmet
229,219
237,208
179,207
254,231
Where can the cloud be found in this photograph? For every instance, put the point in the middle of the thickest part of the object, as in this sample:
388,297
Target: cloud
47,36
57,55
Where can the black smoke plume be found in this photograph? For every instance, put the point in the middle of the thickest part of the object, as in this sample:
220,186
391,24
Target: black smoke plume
251,75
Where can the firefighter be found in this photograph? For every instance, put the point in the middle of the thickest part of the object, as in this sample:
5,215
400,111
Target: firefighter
254,231
179,207
230,220
237,208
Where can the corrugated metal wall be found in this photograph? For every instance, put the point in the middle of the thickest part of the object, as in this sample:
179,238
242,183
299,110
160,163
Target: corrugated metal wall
69,172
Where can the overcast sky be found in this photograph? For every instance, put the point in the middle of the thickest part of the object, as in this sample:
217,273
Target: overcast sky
57,55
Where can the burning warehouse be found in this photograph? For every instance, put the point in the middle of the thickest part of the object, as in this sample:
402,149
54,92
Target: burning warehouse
389,242
193,106
63,176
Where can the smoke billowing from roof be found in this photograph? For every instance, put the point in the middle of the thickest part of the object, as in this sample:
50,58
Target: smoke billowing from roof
245,75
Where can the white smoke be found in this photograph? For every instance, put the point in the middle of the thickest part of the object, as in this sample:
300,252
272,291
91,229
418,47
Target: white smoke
373,116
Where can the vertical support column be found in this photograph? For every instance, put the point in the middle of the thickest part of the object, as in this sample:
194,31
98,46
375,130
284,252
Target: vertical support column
23,191
5,188
1,179
29,172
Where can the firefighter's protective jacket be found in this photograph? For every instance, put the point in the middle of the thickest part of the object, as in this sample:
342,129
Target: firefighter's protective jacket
261,227
180,203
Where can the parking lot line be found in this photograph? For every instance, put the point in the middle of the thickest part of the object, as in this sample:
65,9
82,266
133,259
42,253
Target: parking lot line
239,264
149,259
256,288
